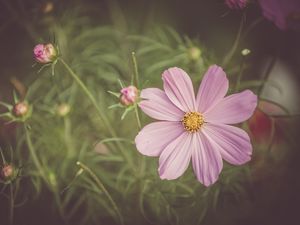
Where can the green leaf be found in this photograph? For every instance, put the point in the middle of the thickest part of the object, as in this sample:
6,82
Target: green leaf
116,106
116,94
127,110
8,106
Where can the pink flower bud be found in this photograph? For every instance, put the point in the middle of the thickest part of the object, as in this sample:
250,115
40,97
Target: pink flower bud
45,53
129,95
236,4
20,109
7,171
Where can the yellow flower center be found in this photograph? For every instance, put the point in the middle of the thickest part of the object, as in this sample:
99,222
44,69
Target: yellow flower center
192,121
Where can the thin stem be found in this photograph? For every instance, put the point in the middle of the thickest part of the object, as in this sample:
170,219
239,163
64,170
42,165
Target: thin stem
33,155
89,95
60,206
2,156
101,116
135,78
94,102
239,78
116,139
136,110
41,170
102,187
234,47
68,137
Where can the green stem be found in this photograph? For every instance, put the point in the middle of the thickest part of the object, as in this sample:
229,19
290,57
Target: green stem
94,102
33,155
2,156
136,110
59,205
90,96
116,139
135,78
239,78
41,170
68,137
102,187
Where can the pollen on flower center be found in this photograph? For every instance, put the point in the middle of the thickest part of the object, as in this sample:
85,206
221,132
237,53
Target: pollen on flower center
192,121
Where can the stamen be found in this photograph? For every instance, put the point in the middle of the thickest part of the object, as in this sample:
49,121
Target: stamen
192,121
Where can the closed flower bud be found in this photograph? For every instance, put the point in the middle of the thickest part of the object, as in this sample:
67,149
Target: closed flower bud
129,95
194,53
20,109
45,53
7,172
63,109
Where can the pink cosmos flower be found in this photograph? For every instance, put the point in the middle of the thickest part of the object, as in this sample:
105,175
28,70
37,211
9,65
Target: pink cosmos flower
44,53
129,95
196,129
236,4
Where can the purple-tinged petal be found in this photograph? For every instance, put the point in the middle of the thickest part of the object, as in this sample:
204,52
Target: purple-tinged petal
158,106
175,158
154,137
233,109
212,89
232,142
179,88
206,159
283,13
236,4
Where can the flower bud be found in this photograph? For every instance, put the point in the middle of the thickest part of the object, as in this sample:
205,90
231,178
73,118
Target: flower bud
7,172
129,95
194,53
20,109
45,53
63,109
236,4
245,52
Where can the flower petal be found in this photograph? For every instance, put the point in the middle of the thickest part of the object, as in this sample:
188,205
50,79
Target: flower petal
234,143
175,158
207,161
179,88
158,106
234,108
154,137
212,89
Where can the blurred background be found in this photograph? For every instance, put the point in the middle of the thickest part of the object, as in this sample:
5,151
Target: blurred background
96,38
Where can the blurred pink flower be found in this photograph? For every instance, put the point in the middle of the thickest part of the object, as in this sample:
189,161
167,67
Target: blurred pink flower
44,53
284,14
236,4
260,124
129,95
195,128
